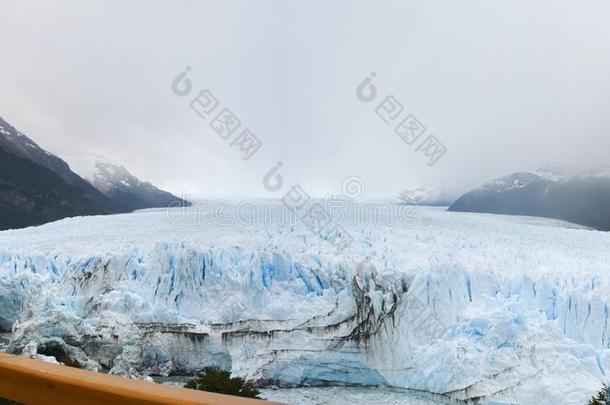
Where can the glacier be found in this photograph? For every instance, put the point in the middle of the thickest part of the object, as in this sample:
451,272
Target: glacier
465,308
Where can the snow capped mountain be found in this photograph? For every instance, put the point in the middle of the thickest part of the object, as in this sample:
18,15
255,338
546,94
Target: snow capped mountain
118,184
426,195
553,172
15,142
547,175
602,172
549,192
37,187
512,311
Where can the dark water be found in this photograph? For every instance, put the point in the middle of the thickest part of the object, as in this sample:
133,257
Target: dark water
305,396
329,395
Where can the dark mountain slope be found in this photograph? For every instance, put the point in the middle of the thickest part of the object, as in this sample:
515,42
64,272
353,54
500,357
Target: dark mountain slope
37,186
31,194
15,142
122,187
583,199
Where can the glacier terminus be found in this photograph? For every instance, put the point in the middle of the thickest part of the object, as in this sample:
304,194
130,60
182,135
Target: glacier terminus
463,308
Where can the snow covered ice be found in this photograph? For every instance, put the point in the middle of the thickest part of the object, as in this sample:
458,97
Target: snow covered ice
493,309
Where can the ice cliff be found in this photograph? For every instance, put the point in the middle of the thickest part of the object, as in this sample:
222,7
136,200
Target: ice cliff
472,307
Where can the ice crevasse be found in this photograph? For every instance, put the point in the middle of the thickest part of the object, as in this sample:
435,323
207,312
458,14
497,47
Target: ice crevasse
471,307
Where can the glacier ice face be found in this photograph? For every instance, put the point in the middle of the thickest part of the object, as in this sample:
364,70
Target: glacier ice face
462,306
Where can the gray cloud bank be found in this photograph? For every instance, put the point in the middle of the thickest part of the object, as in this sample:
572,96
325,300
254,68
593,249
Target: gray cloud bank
504,85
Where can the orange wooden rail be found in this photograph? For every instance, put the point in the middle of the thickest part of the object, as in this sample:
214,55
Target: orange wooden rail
35,382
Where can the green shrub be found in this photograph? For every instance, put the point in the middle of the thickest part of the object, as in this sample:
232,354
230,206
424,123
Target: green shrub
602,397
215,380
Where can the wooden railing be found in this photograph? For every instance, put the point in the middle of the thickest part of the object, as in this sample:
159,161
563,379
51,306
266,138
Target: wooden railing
28,381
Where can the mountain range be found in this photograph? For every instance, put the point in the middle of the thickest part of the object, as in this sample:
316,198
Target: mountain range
122,187
37,187
426,195
583,199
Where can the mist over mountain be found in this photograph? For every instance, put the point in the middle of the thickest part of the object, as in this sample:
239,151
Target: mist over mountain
16,143
583,198
31,194
427,195
126,190
38,187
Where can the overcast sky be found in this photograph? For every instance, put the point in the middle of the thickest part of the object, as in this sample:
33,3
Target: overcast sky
504,85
